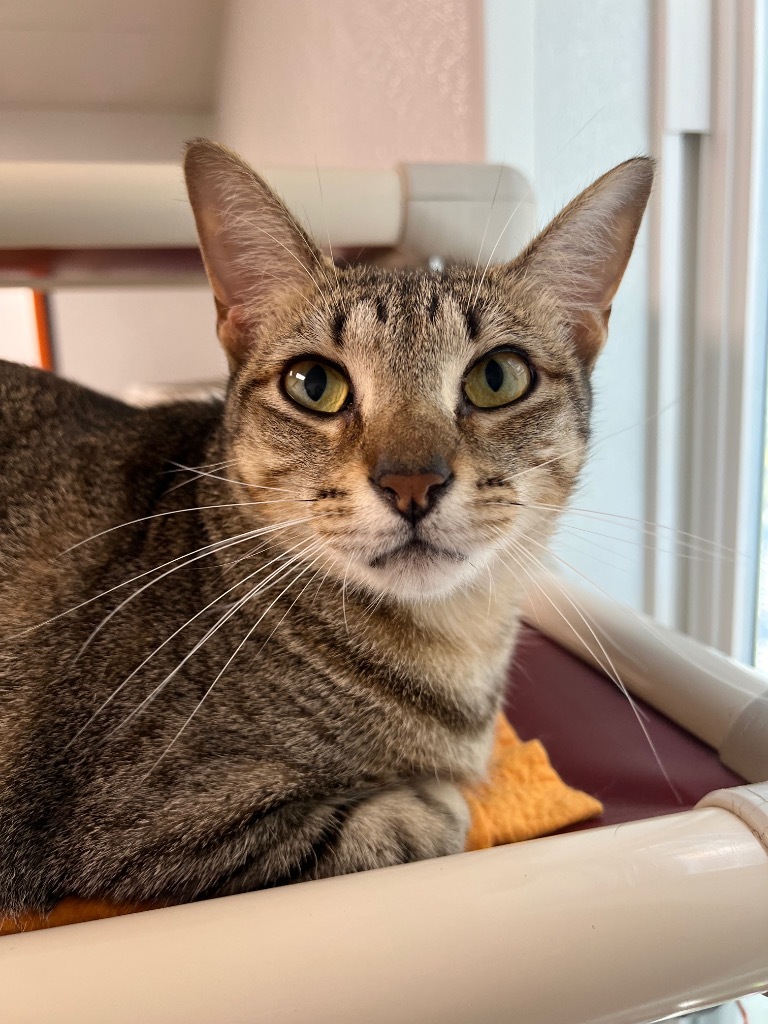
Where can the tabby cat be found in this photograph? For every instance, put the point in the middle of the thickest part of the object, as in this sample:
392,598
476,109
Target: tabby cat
262,640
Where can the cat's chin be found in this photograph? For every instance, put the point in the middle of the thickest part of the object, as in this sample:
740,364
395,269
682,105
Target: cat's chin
417,572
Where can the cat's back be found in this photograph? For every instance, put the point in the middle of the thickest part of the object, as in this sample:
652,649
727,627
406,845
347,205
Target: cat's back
55,431
39,406
73,460
52,447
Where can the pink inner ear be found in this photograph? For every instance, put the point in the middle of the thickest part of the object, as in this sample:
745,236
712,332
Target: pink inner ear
229,286
231,331
610,264
588,333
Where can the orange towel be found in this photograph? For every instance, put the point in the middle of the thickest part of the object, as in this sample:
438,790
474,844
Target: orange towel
69,911
522,798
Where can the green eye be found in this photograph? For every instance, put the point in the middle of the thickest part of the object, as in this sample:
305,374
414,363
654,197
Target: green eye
497,379
316,386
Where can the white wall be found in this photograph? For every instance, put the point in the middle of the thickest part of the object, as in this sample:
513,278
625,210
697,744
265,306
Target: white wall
105,79
18,327
565,109
111,339
352,83
510,52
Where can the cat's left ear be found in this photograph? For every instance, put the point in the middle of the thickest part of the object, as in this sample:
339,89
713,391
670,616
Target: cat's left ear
581,256
253,249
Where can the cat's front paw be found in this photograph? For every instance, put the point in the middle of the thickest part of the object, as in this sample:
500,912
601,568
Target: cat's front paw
426,819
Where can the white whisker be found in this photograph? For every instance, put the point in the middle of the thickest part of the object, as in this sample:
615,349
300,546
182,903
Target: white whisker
508,221
344,595
204,465
613,673
168,639
303,265
647,527
325,219
485,229
228,663
265,584
226,666
179,511
649,627
205,553
229,480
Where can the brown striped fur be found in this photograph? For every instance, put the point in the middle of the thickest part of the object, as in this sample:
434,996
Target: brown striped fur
359,687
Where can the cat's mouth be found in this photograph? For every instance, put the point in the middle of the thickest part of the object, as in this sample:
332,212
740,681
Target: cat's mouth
415,550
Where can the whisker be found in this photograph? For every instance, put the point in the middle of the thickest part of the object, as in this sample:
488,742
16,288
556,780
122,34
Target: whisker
608,668
195,473
677,547
229,480
615,565
485,229
650,527
204,465
291,605
373,605
491,591
322,581
169,572
298,291
649,627
613,674
167,640
207,549
344,595
325,219
517,562
540,465
597,445
248,554
647,527
265,584
229,662
507,222
293,255
178,511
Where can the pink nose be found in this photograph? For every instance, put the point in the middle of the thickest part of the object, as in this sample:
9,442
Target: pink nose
413,494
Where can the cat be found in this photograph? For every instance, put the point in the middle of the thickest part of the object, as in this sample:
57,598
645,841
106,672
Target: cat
262,640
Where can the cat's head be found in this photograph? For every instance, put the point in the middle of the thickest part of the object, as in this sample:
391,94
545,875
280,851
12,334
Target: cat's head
413,426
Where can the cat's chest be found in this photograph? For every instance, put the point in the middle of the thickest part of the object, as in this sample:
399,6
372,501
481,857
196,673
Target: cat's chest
423,690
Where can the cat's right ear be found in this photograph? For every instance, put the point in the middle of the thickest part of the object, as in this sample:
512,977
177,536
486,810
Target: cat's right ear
252,247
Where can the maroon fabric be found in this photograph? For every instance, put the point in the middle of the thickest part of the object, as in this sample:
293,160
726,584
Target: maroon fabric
595,741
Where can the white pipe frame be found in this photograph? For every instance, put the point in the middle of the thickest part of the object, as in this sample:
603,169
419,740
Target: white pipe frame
618,925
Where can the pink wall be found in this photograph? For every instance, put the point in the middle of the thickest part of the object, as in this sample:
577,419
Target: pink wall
360,83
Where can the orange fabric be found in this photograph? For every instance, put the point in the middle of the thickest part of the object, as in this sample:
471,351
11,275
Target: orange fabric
69,911
522,798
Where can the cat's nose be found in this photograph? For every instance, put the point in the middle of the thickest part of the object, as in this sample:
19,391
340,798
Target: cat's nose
413,494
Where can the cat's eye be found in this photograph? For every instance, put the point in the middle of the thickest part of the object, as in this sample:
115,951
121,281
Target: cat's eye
497,379
316,385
